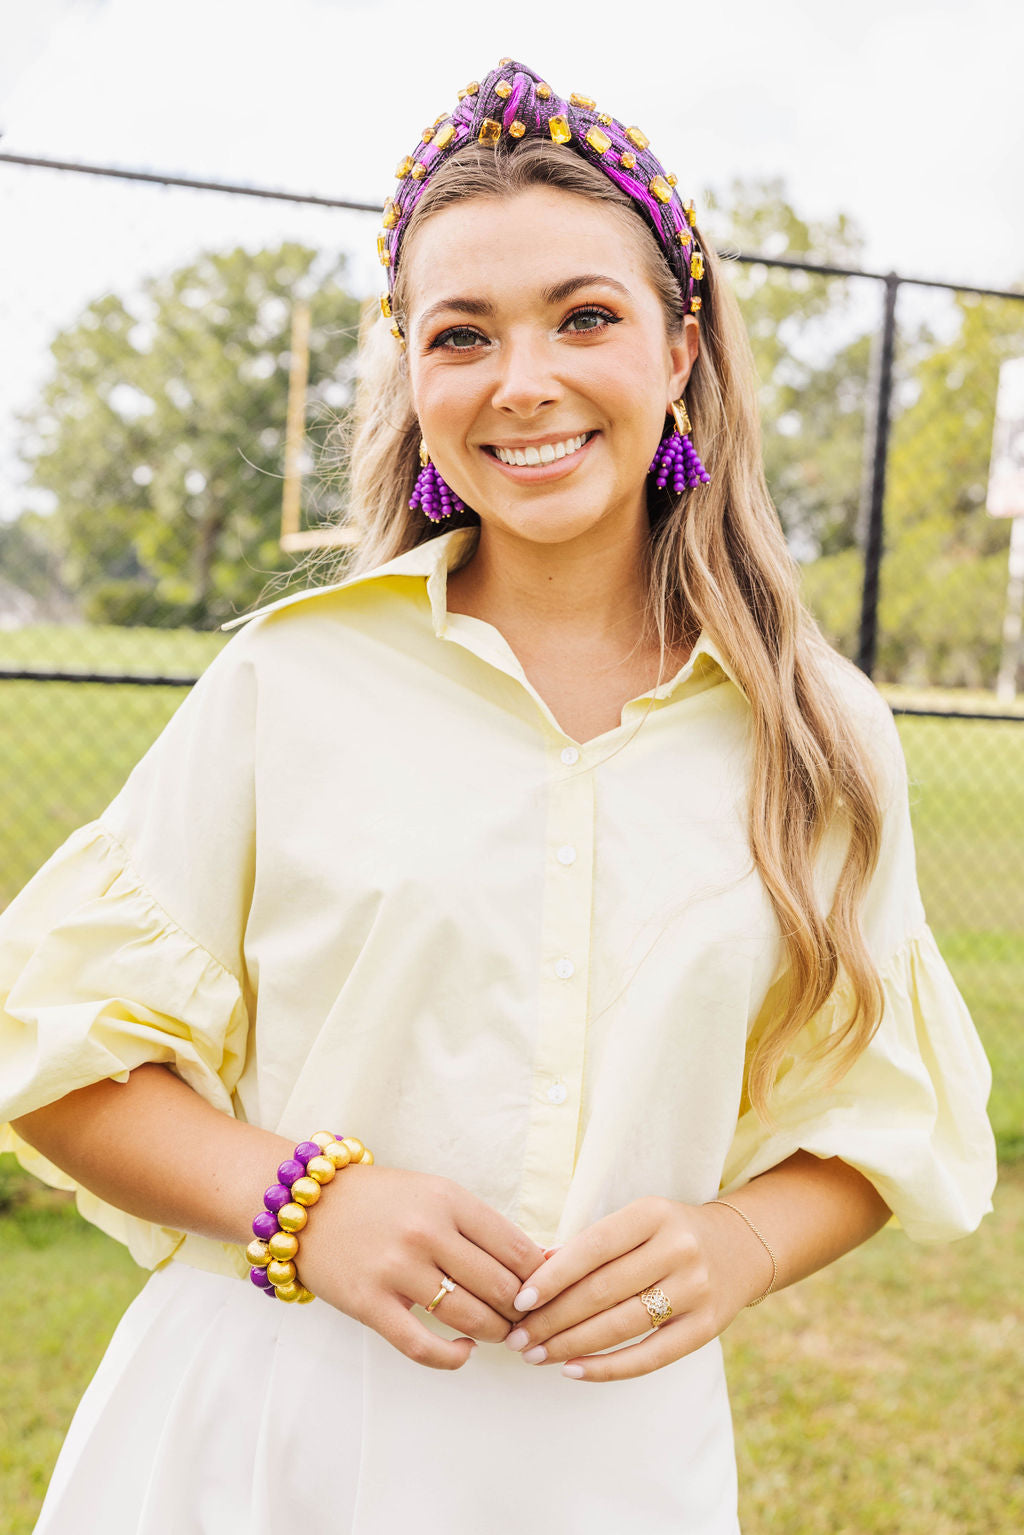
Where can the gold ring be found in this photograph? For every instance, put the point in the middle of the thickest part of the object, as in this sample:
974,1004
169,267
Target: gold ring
658,1306
446,1286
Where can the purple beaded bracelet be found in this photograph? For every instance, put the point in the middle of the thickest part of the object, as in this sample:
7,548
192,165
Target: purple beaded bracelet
275,1230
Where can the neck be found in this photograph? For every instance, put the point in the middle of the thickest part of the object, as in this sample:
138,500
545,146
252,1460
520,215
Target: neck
585,592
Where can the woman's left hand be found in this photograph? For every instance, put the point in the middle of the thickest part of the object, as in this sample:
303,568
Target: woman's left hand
587,1294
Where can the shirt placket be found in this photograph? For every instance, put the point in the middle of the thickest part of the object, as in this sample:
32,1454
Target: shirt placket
556,1088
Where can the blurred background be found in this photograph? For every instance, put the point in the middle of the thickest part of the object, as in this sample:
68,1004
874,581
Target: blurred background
190,196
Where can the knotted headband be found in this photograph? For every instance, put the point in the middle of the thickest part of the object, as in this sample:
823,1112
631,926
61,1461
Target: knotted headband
513,103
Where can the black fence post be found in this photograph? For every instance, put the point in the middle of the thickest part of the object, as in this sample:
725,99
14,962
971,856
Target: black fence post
881,392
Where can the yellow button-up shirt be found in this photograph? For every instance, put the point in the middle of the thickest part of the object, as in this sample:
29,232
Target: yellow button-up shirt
365,880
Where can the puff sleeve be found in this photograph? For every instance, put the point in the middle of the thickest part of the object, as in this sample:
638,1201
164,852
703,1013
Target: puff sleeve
910,1114
128,945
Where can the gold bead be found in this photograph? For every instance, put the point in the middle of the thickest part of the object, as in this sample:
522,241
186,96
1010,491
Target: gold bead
382,250
385,306
291,1217
543,90
516,129
355,1147
598,140
606,119
661,189
503,89
320,1169
419,170
258,1253
627,160
637,138
304,1296
490,131
283,1246
305,1191
403,168
338,1153
322,1138
444,138
560,130
697,265
280,1271
671,178
694,305
367,1157
288,1292
691,213
427,135
391,214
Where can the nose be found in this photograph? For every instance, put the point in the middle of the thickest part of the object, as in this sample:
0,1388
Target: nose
526,379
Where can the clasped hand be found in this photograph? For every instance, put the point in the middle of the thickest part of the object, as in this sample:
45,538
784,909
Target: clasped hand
586,1295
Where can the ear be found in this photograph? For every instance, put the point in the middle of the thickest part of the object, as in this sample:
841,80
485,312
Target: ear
683,354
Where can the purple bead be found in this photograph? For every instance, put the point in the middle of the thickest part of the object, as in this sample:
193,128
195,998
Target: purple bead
276,1196
265,1225
290,1170
259,1279
271,1293
303,1151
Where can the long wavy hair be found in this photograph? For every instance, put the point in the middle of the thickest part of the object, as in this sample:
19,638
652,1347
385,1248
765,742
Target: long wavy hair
718,560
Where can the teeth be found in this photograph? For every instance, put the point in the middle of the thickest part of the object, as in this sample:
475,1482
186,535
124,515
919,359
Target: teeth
545,455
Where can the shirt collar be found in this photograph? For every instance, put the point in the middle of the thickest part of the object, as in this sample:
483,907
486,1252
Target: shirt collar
433,560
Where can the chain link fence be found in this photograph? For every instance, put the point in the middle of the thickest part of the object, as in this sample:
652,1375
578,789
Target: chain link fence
143,500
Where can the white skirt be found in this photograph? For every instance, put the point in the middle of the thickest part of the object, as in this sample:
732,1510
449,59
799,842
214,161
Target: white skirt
215,1410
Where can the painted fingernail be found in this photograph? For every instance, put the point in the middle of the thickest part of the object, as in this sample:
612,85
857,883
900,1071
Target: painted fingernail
517,1339
575,1370
525,1299
535,1355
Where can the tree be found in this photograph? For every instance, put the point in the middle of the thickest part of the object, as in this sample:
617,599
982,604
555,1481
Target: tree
161,432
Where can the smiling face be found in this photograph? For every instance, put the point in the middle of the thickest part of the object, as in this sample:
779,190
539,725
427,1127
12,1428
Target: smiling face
531,323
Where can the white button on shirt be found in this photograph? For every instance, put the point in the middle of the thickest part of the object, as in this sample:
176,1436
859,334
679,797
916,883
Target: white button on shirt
566,855
557,1092
569,755
564,968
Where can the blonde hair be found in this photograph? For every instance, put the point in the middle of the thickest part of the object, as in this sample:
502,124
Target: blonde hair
718,561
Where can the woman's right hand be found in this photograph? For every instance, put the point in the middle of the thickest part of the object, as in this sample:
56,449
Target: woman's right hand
379,1240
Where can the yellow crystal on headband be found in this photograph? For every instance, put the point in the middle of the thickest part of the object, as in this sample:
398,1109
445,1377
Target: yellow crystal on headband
444,137
503,89
691,212
490,131
503,62
427,135
671,178
469,90
661,189
543,90
382,250
404,167
694,309
606,118
397,334
683,236
636,137
576,100
697,266
419,170
627,160
439,120
391,214
561,133
598,140
385,306
516,129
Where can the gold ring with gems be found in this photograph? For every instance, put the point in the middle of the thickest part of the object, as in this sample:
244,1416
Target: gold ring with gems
447,1285
658,1306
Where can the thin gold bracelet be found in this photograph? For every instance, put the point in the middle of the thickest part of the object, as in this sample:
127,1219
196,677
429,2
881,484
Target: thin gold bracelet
764,1244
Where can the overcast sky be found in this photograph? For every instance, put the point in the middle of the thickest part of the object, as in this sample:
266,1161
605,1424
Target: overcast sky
904,114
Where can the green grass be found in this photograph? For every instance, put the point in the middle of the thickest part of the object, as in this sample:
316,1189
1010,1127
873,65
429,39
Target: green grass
878,1397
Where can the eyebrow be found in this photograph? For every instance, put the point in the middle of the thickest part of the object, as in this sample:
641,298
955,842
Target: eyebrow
556,294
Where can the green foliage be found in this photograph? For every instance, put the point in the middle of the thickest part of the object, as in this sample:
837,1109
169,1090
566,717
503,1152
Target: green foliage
161,434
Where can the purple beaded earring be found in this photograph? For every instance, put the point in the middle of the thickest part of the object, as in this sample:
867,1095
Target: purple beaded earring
676,455
432,493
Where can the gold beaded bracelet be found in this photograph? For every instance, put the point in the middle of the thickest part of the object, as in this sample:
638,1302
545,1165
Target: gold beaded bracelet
275,1244
764,1244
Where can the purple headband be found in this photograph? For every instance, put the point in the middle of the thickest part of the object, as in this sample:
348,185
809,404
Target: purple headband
515,102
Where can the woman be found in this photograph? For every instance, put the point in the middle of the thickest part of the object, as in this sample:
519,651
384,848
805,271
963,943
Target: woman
552,855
